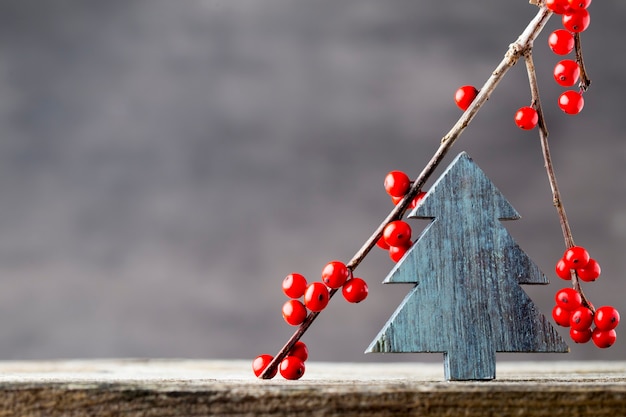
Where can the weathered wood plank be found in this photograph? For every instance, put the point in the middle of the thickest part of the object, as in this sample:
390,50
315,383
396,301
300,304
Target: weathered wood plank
206,388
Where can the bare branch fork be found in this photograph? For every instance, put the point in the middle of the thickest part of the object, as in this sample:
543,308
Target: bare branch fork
522,47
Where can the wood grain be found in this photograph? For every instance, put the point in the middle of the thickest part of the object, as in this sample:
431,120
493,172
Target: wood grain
467,269
138,388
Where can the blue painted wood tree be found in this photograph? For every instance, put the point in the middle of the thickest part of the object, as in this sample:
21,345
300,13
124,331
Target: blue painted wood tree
467,301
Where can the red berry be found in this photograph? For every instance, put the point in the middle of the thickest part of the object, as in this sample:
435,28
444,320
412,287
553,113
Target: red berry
603,338
579,4
260,363
335,273
397,183
557,6
413,202
397,252
382,244
571,102
581,318
294,312
526,118
607,318
355,290
561,42
568,299
580,336
292,368
316,296
397,233
561,316
294,285
576,257
299,350
590,272
464,96
566,72
419,197
562,271
576,20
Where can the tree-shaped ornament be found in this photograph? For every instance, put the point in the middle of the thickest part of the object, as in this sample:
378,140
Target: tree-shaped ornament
467,301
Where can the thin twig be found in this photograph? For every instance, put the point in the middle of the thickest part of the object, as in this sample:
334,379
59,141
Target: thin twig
523,43
556,195
543,135
585,81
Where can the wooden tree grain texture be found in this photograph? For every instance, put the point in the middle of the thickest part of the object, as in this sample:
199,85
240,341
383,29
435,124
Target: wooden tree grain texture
159,388
467,301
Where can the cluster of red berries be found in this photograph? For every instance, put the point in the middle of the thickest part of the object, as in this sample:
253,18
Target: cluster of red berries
576,259
305,297
396,236
316,295
575,19
292,367
570,310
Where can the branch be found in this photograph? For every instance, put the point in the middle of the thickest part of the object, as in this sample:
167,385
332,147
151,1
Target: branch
543,135
556,195
585,82
523,44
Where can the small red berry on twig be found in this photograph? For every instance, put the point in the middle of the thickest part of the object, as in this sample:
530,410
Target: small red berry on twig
581,318
316,296
294,285
292,368
334,274
557,6
568,299
590,272
294,312
603,338
606,318
566,72
300,350
561,316
576,257
579,4
355,290
561,42
571,102
464,96
397,183
563,271
580,336
576,20
260,363
526,118
397,233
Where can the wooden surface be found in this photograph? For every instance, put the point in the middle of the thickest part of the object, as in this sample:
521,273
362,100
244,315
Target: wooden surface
467,301
227,388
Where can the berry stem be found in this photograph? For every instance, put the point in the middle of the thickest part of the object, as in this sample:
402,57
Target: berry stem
556,195
520,47
585,81
543,135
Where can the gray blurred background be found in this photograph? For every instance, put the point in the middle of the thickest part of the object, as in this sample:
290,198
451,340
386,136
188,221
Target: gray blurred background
164,164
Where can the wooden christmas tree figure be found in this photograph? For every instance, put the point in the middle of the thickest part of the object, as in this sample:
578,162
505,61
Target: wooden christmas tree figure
467,301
